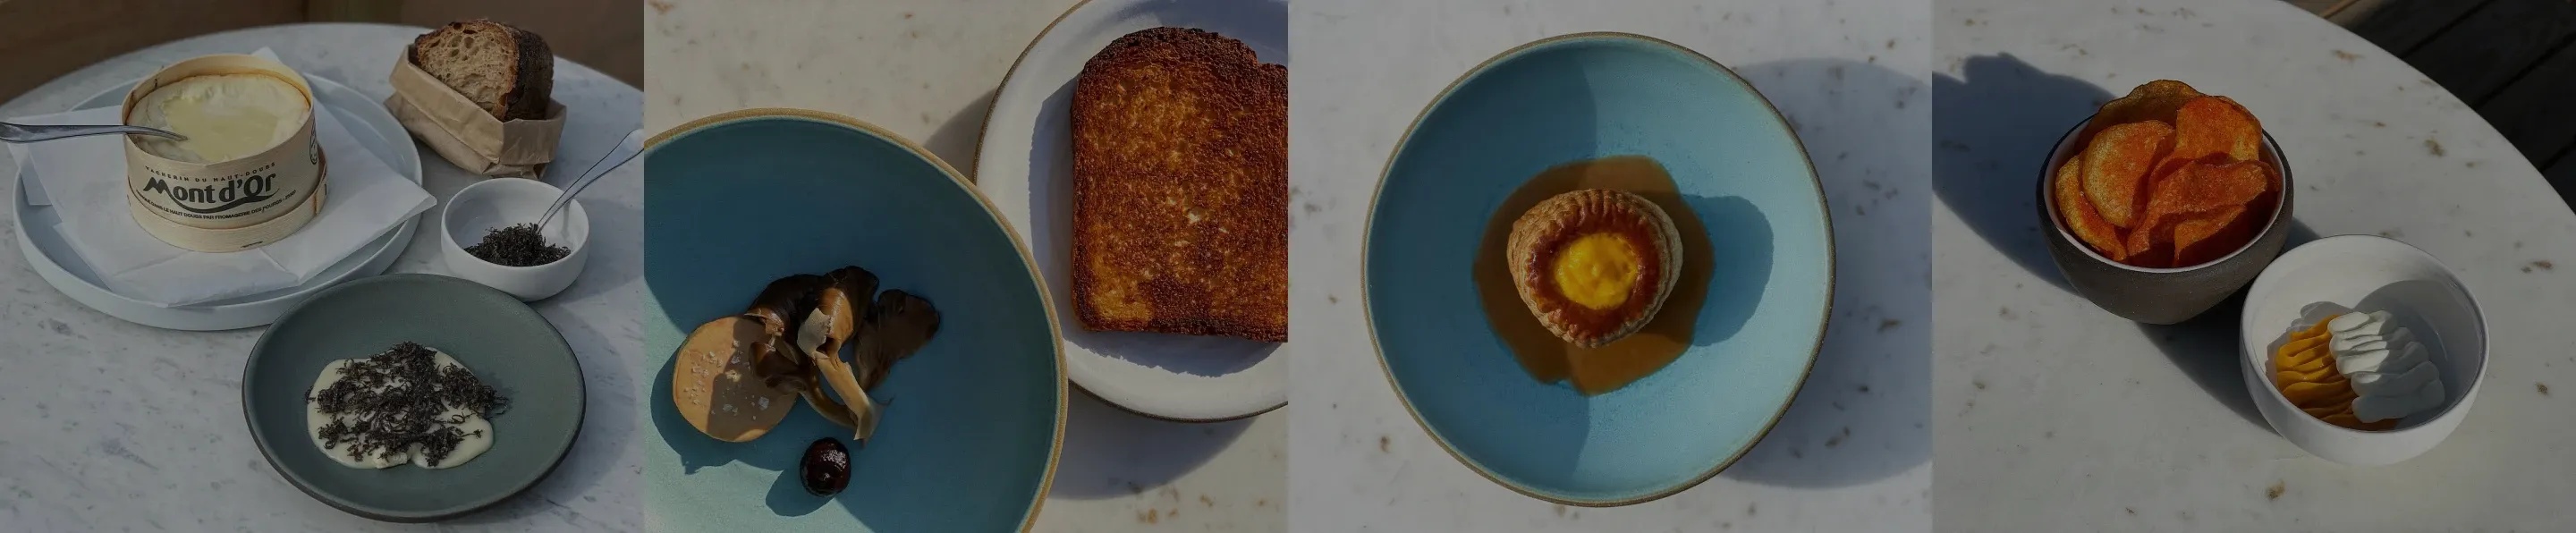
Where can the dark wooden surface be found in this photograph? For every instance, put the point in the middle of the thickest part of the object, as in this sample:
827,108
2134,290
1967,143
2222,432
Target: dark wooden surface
2561,175
2539,112
44,39
2401,25
2512,60
2495,45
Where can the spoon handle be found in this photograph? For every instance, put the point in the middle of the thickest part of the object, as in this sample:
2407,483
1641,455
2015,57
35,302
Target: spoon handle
25,133
625,150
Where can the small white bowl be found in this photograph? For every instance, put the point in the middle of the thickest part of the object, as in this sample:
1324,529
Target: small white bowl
2364,273
498,202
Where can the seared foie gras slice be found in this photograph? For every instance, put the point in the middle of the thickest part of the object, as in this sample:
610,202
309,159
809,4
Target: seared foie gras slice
715,388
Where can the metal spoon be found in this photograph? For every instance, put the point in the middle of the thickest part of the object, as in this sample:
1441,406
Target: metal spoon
20,133
625,150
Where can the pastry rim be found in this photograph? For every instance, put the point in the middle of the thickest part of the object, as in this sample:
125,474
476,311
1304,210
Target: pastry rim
1539,234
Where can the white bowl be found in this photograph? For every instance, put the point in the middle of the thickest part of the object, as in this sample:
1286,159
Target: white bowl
2365,273
499,202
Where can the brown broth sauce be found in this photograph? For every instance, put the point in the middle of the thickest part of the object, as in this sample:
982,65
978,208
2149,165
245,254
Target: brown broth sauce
1595,370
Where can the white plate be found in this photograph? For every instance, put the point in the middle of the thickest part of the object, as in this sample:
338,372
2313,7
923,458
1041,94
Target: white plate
54,260
1025,166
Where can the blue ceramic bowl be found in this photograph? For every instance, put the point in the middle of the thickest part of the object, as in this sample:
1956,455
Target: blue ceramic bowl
1737,165
972,422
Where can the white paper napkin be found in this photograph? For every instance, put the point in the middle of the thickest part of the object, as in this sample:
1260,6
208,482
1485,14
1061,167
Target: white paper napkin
83,179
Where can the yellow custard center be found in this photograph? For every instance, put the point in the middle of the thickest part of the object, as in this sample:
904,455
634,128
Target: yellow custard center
1596,270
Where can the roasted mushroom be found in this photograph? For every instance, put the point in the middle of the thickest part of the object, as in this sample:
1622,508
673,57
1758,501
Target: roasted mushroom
834,318
737,376
898,324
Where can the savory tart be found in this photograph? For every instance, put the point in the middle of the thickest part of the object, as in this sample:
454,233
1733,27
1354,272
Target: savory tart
1595,264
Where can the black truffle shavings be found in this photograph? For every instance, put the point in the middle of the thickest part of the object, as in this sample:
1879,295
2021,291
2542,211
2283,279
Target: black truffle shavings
380,403
518,245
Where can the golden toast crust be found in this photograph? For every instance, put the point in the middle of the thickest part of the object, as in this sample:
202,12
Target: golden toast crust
1180,169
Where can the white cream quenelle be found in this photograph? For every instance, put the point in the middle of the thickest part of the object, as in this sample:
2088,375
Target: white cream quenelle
224,116
2391,374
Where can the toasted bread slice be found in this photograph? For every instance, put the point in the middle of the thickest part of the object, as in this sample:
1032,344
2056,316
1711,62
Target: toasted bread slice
507,71
1180,171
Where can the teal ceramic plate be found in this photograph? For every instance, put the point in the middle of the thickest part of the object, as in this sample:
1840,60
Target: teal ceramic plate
504,342
1737,165
971,423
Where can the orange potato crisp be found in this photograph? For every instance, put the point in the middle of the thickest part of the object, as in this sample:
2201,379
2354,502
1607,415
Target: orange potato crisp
2080,217
2194,203
2167,177
2157,100
2116,165
2212,125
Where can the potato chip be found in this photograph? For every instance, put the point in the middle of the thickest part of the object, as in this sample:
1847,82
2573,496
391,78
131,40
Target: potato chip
2197,238
2116,165
2156,100
2238,210
2150,246
2079,216
2216,125
2198,192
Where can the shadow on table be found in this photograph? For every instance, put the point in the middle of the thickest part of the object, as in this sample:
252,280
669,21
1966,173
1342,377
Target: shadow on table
1863,413
2205,347
591,470
617,251
1109,453
1991,133
959,142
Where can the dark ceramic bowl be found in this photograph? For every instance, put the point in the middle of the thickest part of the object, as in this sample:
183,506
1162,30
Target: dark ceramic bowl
2160,295
506,344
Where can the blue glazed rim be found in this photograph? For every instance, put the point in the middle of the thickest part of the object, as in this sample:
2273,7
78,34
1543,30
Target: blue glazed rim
1055,445
1368,304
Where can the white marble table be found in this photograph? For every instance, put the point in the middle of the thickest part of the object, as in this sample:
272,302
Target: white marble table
927,70
116,426
1852,452
2054,415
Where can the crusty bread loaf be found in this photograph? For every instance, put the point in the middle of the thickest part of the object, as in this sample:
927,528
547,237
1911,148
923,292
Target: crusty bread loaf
1180,171
507,71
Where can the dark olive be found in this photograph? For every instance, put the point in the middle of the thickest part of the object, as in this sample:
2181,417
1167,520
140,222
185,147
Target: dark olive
826,468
